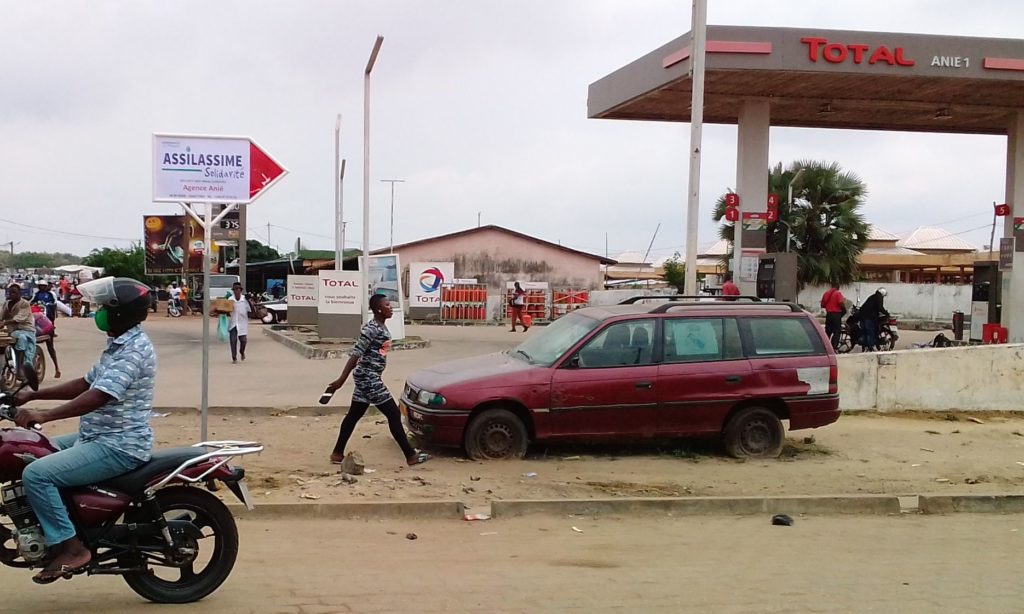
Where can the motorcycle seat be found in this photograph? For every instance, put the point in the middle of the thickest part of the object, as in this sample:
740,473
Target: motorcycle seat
163,461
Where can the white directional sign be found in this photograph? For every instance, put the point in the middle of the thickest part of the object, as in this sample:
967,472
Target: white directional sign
210,169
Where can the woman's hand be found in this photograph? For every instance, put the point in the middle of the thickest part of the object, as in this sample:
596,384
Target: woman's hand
333,386
25,418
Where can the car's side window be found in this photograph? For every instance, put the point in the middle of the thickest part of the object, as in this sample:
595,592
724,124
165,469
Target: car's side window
620,345
784,337
702,340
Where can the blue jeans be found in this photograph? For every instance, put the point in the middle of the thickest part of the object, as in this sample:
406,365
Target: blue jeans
76,464
25,342
870,334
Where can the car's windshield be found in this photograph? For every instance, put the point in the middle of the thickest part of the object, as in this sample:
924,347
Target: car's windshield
548,345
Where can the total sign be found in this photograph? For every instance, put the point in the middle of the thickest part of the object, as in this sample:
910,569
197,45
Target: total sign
303,290
338,292
425,281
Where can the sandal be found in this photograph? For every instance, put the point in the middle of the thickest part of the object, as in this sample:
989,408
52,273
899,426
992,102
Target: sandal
49,576
418,459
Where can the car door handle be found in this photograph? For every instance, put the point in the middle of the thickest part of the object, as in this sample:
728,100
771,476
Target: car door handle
733,379
644,385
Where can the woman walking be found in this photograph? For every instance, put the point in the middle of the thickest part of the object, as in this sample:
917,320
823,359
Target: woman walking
366,364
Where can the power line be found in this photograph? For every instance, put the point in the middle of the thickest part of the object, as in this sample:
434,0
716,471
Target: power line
43,229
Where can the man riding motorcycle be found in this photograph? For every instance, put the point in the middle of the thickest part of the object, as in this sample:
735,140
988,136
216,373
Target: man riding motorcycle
114,400
871,314
16,316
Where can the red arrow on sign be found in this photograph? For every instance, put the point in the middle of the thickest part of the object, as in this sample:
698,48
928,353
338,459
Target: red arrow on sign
264,171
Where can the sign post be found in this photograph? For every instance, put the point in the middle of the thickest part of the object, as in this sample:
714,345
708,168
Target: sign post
191,169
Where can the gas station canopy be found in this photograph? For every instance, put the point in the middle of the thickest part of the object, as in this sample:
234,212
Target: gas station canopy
827,79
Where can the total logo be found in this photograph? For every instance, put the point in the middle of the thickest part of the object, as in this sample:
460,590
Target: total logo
431,280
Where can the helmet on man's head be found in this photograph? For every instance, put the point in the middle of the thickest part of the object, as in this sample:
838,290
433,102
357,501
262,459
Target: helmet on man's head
126,300
883,291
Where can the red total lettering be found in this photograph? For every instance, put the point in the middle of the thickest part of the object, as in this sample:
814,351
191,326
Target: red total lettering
858,52
813,44
882,54
902,61
835,53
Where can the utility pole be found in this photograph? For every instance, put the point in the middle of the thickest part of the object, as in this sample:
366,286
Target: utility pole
364,264
698,29
393,182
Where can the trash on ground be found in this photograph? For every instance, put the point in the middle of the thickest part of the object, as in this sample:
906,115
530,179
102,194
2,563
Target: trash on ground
927,450
974,420
916,465
157,414
933,432
942,480
477,517
782,520
349,478
369,471
1018,434
809,440
474,478
568,458
486,533
577,530
531,474
309,495
411,536
1020,463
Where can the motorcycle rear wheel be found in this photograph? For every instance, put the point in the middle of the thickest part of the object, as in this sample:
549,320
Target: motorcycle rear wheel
845,343
220,539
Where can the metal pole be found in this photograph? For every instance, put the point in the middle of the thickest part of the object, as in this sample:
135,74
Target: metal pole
341,214
364,265
992,237
391,249
698,35
339,247
243,249
204,406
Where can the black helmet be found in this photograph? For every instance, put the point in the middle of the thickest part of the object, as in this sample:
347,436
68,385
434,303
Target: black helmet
126,299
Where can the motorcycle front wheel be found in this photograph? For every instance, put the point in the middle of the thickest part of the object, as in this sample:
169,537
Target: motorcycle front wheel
201,564
173,311
845,343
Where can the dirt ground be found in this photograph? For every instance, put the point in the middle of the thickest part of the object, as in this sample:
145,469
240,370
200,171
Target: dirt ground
858,454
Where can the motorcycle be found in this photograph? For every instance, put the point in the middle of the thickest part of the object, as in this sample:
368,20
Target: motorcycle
853,333
171,540
9,371
174,307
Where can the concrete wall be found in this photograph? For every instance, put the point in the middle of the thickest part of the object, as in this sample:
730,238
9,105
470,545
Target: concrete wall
909,301
988,377
494,257
601,298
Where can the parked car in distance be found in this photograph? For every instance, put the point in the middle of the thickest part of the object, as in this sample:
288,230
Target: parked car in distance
711,368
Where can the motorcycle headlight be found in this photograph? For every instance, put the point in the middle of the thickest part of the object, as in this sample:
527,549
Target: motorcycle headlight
430,398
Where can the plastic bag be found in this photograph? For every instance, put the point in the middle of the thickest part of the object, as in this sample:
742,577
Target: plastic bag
222,329
43,325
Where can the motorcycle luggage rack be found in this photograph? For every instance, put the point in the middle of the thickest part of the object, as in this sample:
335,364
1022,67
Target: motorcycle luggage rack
222,450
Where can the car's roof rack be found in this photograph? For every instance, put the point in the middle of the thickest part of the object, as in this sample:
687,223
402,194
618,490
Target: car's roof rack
730,304
678,297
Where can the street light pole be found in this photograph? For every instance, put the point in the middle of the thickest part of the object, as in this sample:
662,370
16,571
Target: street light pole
698,29
789,229
391,249
364,266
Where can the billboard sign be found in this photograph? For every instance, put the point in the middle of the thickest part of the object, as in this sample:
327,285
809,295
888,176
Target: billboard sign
338,293
303,290
219,169
425,281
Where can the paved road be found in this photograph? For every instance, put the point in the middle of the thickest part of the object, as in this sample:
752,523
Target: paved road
960,563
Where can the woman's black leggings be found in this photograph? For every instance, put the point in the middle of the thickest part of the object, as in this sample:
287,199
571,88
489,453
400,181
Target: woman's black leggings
390,411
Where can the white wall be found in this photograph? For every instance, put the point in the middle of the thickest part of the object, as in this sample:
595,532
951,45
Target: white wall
603,298
909,301
986,377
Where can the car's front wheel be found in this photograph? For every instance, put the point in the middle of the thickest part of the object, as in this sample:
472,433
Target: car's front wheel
496,434
754,432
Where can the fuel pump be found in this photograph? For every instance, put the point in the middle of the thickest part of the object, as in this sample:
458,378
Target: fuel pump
777,277
985,298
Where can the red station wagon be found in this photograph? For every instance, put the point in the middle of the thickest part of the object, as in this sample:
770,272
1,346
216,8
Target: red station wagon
633,372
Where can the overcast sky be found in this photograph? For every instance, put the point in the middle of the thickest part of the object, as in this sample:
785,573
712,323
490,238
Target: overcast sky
479,105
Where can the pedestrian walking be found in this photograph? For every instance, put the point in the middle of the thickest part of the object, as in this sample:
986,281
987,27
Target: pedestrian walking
366,364
518,303
238,322
834,305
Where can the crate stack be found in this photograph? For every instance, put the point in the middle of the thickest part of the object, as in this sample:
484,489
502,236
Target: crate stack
565,300
463,302
535,303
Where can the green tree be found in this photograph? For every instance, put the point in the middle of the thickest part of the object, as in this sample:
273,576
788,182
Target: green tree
675,273
258,252
36,260
828,231
118,262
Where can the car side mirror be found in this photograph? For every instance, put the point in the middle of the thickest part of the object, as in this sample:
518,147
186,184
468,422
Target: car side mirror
573,363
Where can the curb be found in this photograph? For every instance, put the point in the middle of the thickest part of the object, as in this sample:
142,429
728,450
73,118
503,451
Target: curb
855,504
426,510
262,411
318,353
976,504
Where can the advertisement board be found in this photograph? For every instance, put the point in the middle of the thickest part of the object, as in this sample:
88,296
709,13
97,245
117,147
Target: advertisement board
206,168
166,244
338,293
425,281
303,291
384,279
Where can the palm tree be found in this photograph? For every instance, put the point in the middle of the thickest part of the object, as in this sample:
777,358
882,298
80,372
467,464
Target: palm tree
828,232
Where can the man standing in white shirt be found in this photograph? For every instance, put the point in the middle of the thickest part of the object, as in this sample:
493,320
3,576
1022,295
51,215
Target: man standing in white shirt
238,321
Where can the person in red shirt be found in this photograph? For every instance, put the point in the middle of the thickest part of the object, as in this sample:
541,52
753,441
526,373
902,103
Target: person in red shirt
834,304
729,288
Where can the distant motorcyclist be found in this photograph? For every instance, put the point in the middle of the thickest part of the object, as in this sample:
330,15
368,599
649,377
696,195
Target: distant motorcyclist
871,314
16,316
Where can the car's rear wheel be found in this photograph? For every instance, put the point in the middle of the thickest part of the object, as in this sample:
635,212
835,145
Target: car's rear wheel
496,434
754,432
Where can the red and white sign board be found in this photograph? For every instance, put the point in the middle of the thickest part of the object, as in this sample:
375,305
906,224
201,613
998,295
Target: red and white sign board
338,292
222,169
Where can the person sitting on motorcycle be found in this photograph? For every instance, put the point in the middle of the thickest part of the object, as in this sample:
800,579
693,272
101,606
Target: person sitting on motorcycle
871,314
114,400
175,296
45,297
16,316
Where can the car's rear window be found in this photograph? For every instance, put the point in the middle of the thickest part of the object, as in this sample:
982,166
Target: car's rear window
783,337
